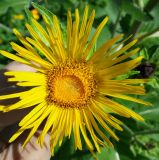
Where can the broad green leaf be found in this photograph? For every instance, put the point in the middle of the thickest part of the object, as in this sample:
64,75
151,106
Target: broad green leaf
128,74
154,58
44,11
16,4
151,114
154,83
134,11
125,157
107,154
112,9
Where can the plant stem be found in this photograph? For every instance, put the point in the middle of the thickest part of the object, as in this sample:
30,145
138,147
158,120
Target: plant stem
5,28
154,131
125,127
148,34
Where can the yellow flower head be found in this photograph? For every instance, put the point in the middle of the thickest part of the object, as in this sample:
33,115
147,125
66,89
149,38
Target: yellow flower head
71,89
19,17
35,14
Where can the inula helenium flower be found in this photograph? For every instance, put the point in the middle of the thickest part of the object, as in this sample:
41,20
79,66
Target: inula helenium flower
73,86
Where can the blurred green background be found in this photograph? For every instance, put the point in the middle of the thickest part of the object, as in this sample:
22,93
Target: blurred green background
139,141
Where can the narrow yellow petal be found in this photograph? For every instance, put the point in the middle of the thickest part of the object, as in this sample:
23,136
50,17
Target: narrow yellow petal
129,98
84,22
120,58
94,38
13,57
26,102
26,76
90,129
69,32
58,29
16,135
33,115
101,121
32,132
41,30
115,87
101,52
24,42
120,109
50,121
14,95
43,49
84,40
75,36
88,142
76,130
123,49
28,55
100,133
119,69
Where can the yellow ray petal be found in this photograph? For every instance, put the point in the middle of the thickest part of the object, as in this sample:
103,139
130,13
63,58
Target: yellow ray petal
106,105
119,69
26,76
50,121
16,135
9,96
83,130
28,55
43,49
75,37
40,29
58,29
36,125
101,52
24,42
115,87
129,98
84,22
101,121
83,41
106,117
100,133
90,129
120,109
26,102
69,32
95,36
76,130
13,57
120,58
33,115
123,49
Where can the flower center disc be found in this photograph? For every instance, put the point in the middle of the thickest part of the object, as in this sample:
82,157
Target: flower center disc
71,85
68,89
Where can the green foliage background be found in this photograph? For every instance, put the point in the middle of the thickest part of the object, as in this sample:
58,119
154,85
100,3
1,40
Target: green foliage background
138,141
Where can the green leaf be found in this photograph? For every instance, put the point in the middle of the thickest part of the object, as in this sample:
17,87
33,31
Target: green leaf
29,15
125,157
112,9
107,154
134,11
154,83
44,11
128,74
144,53
151,114
154,58
16,4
